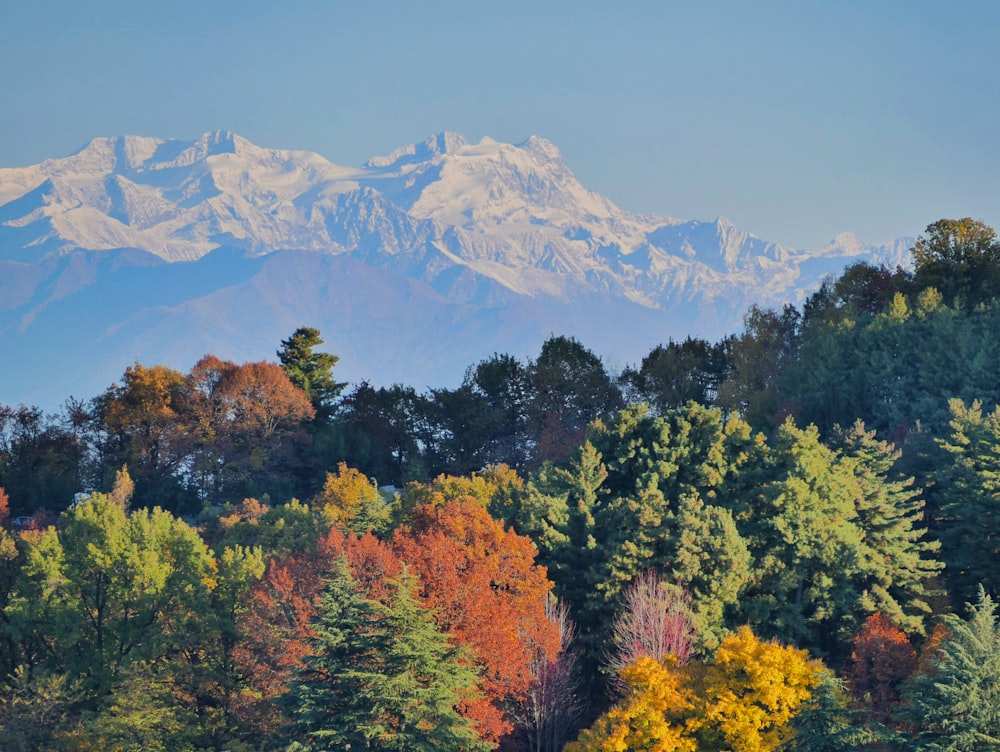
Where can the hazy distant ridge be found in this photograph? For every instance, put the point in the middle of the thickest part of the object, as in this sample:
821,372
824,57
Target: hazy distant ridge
413,265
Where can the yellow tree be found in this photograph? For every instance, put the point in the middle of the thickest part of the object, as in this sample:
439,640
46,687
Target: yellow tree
352,502
741,701
750,691
656,714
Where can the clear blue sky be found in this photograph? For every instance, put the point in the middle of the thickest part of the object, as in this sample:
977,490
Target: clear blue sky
796,120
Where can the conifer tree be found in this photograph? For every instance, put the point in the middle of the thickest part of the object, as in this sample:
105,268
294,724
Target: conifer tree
311,371
380,677
970,494
955,706
898,564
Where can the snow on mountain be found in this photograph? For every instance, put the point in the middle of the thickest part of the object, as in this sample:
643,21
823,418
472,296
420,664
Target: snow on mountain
487,246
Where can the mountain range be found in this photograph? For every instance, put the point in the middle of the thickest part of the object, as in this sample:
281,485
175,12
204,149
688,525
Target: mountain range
413,266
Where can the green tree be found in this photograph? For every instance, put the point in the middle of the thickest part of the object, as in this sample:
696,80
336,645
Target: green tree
37,708
826,723
380,677
502,382
759,359
104,589
570,388
970,494
674,374
645,493
959,257
311,370
806,547
899,567
955,706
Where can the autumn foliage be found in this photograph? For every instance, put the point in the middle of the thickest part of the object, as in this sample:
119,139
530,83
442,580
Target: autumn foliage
482,581
741,700
882,660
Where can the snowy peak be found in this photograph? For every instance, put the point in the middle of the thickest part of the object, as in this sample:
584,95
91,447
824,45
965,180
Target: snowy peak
513,213
428,150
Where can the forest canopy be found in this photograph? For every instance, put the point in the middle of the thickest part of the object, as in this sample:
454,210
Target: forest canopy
785,539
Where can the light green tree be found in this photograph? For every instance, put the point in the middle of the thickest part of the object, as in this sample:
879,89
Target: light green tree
103,589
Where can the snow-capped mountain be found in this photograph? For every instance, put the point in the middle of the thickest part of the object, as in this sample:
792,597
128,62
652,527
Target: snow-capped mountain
414,265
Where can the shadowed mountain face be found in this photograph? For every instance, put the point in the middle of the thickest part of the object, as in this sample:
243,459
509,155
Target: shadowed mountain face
413,267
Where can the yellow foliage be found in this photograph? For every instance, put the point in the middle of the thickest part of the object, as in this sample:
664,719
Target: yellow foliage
654,715
739,702
751,690
345,495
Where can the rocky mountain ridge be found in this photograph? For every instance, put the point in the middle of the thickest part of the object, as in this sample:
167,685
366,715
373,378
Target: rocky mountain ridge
501,242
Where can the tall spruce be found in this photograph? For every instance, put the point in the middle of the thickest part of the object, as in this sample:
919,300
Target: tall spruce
311,370
955,705
380,677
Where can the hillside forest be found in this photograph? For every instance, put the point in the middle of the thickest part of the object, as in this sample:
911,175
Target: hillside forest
784,540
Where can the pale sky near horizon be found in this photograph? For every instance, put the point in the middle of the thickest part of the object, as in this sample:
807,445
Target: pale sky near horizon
795,120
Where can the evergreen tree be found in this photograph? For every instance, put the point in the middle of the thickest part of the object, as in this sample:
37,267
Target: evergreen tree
806,546
955,706
311,371
380,677
970,496
898,565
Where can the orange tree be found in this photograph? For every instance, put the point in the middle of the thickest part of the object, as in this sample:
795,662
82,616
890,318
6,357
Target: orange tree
481,579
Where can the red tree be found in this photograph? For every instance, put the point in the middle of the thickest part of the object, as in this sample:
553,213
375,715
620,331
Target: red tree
277,625
882,660
482,581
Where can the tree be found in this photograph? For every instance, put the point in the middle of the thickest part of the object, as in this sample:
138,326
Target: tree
882,660
379,432
40,459
104,590
759,358
351,501
143,426
806,546
570,388
503,383
37,708
645,492
655,620
482,582
970,492
143,713
550,710
825,722
656,713
959,257
898,563
672,375
750,691
955,706
379,677
245,427
311,371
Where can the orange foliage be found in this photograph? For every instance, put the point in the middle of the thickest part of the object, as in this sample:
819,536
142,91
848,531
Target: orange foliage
929,651
482,581
4,508
277,626
882,660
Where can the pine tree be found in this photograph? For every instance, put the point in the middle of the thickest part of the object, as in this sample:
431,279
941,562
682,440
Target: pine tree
311,371
897,563
955,705
380,677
